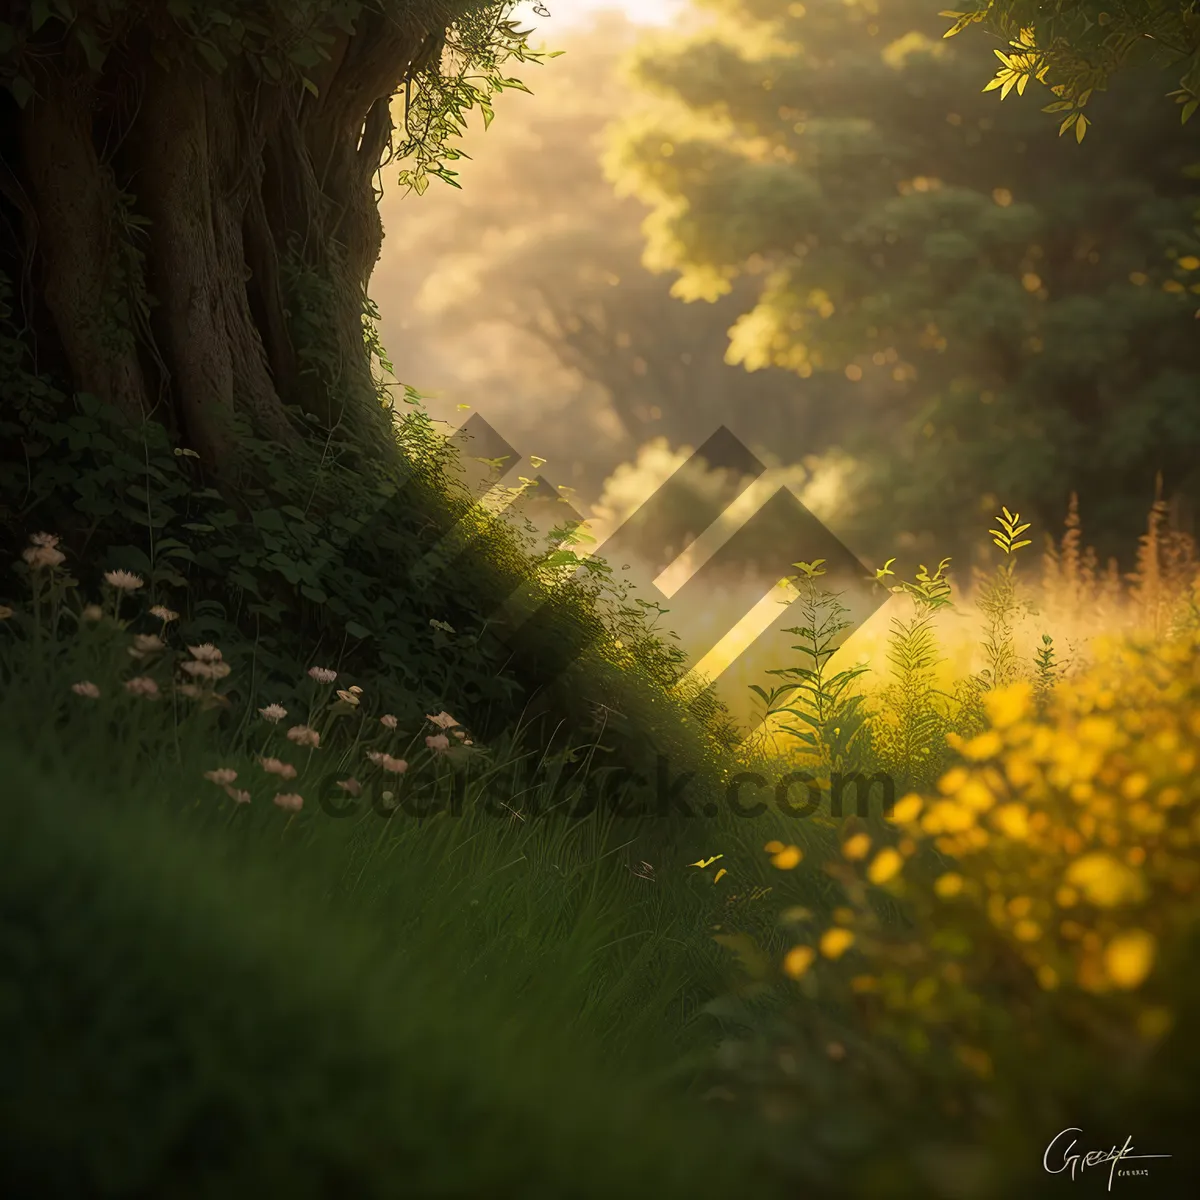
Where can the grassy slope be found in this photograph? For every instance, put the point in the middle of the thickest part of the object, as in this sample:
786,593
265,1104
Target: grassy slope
190,1010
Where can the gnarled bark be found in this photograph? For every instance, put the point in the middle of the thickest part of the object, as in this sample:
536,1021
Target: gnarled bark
76,231
235,175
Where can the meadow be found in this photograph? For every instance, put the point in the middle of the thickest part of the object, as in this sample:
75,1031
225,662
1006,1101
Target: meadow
320,946
366,830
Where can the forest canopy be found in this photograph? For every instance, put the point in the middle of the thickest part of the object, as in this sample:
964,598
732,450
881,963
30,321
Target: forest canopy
1030,324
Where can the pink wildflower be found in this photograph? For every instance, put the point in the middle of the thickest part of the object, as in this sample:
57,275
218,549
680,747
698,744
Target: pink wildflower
43,556
142,685
303,735
273,713
289,801
238,795
388,721
124,581
350,785
439,743
322,674
87,689
275,766
222,776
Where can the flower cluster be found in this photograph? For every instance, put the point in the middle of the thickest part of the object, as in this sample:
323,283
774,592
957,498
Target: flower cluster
1063,842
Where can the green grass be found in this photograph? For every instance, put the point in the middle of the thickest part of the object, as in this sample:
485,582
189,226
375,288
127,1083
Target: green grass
197,1005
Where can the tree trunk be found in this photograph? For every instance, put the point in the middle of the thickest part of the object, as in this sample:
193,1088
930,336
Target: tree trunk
183,227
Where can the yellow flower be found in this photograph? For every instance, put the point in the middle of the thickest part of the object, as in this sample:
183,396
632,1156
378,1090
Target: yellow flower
1105,881
952,780
787,858
1027,931
1013,821
835,942
1135,785
1047,978
773,847
797,960
976,795
1007,706
947,817
949,885
886,866
1099,731
1020,770
986,745
908,808
1129,957
857,847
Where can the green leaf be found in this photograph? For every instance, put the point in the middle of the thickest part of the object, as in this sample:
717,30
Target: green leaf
212,55
92,51
39,13
21,89
309,86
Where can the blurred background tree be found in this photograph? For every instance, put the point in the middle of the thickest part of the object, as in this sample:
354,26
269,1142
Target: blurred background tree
525,294
1000,317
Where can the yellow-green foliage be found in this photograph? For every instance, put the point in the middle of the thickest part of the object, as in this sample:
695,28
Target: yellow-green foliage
1048,875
